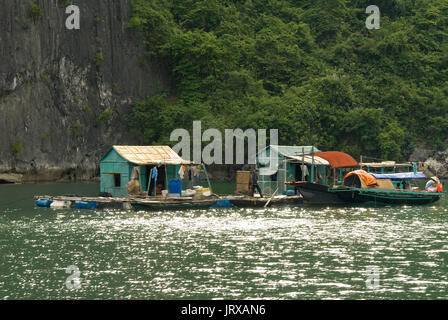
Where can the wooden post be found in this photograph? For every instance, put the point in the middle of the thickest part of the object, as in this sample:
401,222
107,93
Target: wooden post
334,176
312,165
149,181
206,175
155,183
167,183
303,164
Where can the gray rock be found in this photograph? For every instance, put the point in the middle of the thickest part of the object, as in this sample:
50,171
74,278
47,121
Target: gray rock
419,155
53,87
10,178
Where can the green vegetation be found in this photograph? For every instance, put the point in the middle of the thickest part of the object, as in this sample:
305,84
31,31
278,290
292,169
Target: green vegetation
17,149
77,129
116,89
65,3
104,117
45,77
309,68
99,59
34,11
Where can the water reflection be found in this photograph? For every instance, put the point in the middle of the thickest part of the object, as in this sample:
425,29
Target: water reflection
277,253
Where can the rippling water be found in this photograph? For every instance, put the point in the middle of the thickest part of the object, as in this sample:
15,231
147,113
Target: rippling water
279,253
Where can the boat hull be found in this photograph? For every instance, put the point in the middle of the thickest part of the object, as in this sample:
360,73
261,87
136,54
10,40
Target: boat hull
141,205
322,194
384,197
250,202
313,193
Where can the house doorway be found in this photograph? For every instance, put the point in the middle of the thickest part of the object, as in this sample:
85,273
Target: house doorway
159,184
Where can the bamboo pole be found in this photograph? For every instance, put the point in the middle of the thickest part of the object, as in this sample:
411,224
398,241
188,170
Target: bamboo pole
206,175
312,164
303,164
149,181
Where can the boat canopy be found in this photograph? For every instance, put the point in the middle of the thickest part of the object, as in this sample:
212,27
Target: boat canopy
338,159
334,159
308,159
368,178
401,176
384,164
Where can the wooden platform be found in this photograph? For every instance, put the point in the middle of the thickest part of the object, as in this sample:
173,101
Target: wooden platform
158,203
136,202
253,202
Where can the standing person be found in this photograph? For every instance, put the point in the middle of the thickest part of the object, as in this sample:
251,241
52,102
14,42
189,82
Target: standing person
255,183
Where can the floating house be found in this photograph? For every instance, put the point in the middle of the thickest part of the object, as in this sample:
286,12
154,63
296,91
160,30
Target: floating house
294,163
123,164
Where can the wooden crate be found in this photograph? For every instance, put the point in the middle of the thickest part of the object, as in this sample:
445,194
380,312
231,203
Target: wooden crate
243,177
242,187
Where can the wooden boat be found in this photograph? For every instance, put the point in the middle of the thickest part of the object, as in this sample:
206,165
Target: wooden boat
257,202
362,187
318,193
141,203
314,193
173,204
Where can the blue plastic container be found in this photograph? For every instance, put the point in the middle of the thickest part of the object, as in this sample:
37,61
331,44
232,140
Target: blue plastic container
176,186
44,203
223,203
85,205
290,192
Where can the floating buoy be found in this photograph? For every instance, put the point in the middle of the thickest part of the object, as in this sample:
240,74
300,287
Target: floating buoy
224,203
44,203
85,205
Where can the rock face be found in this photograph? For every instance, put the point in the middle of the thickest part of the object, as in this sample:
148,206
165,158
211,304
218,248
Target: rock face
436,164
10,178
64,94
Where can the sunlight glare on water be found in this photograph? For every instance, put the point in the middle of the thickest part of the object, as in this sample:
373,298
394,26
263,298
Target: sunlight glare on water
290,252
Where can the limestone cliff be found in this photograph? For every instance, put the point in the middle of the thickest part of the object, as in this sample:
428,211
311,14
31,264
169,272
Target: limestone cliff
64,94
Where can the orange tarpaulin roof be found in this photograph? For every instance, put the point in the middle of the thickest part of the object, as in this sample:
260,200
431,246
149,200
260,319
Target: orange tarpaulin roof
369,179
338,159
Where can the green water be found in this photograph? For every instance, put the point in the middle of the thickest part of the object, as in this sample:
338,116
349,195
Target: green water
279,253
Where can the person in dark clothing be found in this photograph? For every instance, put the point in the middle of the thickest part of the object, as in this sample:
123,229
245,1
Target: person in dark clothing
255,183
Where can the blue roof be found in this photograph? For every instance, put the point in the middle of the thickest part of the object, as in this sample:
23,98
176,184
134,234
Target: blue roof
400,176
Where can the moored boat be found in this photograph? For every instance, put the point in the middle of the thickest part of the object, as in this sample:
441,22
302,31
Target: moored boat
173,204
360,186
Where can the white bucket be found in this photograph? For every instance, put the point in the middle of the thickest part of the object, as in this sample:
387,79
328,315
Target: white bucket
60,204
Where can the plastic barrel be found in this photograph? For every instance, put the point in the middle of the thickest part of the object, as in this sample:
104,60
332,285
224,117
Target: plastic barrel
176,186
44,203
85,205
223,203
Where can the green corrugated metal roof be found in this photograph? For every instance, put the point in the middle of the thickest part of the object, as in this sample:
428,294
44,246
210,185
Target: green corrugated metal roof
290,151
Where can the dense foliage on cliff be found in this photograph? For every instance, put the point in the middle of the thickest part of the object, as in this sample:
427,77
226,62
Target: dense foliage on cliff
310,68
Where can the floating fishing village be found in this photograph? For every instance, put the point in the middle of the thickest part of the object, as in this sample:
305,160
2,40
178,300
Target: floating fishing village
152,177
